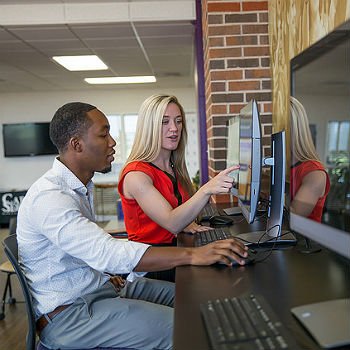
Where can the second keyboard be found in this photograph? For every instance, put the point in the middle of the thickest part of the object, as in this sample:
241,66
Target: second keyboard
205,237
244,323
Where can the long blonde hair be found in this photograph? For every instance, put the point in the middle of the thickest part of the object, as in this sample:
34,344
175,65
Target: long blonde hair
148,138
303,146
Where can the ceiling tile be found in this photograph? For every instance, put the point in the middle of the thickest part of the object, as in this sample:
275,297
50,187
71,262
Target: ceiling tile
100,31
167,49
55,32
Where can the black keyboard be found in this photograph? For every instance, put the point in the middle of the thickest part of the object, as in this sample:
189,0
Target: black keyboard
244,323
208,211
205,237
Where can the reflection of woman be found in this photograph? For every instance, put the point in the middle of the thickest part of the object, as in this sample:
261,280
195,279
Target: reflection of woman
309,180
156,191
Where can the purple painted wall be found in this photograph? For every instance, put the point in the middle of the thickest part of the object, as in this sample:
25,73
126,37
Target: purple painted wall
201,95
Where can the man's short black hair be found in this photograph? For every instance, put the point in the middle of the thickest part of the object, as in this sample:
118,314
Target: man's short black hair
69,120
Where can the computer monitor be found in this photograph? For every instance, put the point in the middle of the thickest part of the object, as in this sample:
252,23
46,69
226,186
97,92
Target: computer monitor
244,148
320,80
249,160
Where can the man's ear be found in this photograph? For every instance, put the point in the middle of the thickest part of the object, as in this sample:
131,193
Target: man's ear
76,144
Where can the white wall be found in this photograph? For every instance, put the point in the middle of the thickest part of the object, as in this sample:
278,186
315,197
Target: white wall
20,172
322,109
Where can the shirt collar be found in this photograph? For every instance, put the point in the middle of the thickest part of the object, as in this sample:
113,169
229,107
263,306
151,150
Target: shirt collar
70,178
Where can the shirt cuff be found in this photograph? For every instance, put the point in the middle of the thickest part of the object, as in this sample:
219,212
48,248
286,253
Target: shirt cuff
135,275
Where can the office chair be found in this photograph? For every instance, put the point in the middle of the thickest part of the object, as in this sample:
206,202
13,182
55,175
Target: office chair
7,268
11,250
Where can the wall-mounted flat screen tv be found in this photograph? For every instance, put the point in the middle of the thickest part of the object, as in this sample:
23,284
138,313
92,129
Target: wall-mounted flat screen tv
27,139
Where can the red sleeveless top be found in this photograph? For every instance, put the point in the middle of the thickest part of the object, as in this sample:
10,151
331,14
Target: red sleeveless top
138,225
298,171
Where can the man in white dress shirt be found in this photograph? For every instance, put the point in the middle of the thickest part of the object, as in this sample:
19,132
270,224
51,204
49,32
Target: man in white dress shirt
68,259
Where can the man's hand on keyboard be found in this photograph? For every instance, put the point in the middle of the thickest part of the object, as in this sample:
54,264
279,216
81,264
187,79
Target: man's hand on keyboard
223,251
194,227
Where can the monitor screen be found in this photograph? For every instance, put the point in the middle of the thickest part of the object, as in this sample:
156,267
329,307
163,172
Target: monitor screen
27,139
249,160
320,78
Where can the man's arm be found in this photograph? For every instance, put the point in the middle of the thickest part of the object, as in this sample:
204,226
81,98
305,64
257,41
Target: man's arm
163,258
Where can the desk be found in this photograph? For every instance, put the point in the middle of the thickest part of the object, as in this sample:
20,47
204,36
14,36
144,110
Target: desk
287,278
115,226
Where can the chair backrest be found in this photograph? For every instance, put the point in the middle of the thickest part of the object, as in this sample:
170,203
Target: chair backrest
11,250
12,225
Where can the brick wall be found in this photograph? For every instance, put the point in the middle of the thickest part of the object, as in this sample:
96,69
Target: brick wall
236,68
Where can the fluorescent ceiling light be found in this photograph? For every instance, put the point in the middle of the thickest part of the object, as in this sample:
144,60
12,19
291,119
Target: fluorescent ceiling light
122,80
77,63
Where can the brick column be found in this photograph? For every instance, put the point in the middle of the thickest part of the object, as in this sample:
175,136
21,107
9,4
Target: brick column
236,68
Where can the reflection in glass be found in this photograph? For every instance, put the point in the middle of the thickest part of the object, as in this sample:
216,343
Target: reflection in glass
321,82
309,181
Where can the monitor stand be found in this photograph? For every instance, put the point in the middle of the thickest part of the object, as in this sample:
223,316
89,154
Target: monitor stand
262,238
310,248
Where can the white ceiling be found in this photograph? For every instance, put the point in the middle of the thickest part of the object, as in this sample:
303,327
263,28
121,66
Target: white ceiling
135,37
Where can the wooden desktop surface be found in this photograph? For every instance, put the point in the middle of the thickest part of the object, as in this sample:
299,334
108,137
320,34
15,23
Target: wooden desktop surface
115,226
286,279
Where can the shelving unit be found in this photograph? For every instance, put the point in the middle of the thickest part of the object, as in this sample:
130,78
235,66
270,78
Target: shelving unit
105,201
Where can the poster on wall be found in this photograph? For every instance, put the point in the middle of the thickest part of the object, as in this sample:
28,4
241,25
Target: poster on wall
9,204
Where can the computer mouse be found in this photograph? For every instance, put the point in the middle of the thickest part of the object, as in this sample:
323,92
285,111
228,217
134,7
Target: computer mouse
249,259
220,220
252,253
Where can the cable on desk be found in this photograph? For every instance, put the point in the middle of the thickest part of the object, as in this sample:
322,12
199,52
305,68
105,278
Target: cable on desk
273,240
269,251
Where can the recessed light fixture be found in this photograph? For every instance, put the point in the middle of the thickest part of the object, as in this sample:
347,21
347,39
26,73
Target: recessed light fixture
122,80
80,63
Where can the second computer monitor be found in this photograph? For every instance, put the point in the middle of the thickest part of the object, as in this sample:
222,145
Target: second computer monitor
277,185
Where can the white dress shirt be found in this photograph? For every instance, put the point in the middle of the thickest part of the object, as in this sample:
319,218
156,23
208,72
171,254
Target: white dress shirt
63,252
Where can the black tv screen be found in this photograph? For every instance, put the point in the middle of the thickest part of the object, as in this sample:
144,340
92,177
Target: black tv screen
27,139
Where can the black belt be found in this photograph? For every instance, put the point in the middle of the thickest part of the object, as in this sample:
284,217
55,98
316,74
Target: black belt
42,322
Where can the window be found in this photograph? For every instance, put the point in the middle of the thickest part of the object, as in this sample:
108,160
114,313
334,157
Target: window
338,140
123,128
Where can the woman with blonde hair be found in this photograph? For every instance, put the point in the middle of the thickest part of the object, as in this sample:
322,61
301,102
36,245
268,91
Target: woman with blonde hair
156,191
309,180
